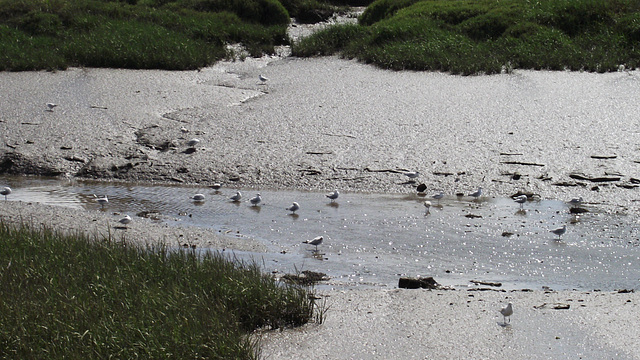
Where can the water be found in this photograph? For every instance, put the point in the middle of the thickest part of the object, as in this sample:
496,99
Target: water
373,239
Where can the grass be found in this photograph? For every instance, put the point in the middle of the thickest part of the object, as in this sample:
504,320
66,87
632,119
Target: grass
487,36
146,34
75,297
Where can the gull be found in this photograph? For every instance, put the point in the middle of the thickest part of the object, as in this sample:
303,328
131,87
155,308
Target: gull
102,201
193,142
334,195
237,196
427,205
438,196
412,174
216,186
50,106
125,220
521,199
5,191
559,231
262,78
198,197
477,193
507,312
256,200
315,241
293,207
576,201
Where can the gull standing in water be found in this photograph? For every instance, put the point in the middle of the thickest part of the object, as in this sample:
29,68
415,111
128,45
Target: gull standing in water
50,106
520,199
5,191
294,207
477,193
438,196
315,241
237,197
256,200
559,231
507,312
102,201
334,195
427,205
198,197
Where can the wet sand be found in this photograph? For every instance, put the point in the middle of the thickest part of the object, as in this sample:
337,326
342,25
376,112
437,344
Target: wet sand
328,123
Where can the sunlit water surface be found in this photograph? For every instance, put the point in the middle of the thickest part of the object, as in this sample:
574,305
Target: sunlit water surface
373,239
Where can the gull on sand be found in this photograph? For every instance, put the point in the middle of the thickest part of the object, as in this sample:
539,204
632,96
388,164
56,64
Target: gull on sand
5,191
559,231
294,207
412,174
198,197
315,241
576,201
507,312
125,220
262,78
256,200
50,106
193,142
216,186
237,196
334,195
476,194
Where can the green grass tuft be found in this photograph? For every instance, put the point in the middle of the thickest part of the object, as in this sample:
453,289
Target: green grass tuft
488,36
75,297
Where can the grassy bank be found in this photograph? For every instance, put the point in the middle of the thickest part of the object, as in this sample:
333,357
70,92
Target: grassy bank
143,34
488,36
73,297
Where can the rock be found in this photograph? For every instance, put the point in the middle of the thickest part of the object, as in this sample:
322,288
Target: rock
418,283
578,210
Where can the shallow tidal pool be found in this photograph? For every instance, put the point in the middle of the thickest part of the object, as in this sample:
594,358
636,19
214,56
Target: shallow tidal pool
372,239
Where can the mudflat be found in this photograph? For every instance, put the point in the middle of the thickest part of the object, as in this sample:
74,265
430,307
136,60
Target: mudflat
329,123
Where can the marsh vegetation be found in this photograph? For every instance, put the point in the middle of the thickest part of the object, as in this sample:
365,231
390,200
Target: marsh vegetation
76,297
487,36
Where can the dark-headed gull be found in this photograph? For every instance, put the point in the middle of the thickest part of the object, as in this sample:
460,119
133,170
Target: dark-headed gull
520,199
315,241
294,207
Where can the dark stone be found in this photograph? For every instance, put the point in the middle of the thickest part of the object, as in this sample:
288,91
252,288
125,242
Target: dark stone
421,188
578,210
418,283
